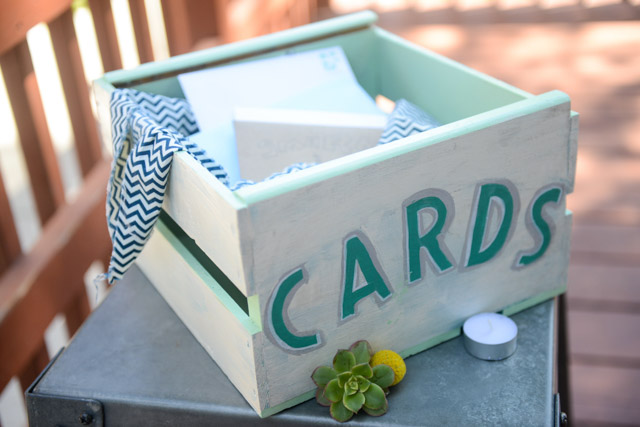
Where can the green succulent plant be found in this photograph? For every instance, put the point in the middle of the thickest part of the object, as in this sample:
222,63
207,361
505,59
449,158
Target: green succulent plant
352,384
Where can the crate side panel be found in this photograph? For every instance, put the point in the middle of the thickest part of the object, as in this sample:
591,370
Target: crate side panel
215,327
307,229
446,89
208,212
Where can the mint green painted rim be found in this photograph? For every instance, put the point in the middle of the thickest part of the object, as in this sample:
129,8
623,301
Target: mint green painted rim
269,189
267,412
334,27
243,48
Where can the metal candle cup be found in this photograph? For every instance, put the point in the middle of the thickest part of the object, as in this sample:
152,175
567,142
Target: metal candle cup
490,336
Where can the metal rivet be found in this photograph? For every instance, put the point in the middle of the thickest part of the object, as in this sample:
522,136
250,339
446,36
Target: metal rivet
86,419
563,419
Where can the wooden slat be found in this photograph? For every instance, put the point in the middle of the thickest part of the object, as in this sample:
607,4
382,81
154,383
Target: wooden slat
186,22
83,123
176,21
18,17
9,243
615,335
224,28
78,309
106,34
280,19
34,366
253,19
626,216
607,395
202,22
604,284
605,245
46,280
24,96
141,30
301,12
606,238
244,19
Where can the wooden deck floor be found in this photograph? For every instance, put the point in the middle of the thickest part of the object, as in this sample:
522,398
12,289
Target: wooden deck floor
598,64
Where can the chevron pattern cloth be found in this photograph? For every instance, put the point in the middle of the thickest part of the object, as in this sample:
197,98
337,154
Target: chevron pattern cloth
147,129
289,169
406,119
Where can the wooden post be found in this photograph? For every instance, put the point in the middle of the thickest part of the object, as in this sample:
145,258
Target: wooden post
24,97
36,364
18,17
106,34
223,26
9,243
187,22
176,22
65,46
78,309
141,29
43,279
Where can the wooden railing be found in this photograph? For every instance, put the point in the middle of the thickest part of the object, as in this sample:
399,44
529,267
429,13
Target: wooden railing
46,280
37,285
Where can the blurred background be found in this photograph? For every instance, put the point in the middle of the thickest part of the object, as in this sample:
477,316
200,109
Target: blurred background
53,239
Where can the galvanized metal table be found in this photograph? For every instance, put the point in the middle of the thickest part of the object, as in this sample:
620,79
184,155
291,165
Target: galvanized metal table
134,363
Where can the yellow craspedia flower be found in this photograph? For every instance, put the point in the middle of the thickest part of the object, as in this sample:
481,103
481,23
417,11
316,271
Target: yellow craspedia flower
393,360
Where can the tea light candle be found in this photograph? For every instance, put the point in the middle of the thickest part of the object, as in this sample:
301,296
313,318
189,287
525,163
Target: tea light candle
490,336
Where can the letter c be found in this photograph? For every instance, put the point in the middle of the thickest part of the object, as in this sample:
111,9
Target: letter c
279,323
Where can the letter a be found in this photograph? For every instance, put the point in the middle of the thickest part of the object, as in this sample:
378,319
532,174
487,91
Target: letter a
355,252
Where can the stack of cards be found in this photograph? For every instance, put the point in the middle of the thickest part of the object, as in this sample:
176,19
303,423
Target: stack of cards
257,117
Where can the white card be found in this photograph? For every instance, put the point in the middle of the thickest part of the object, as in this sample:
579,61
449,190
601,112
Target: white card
270,139
214,93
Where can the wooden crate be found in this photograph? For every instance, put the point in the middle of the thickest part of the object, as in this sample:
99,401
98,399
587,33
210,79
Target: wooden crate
397,244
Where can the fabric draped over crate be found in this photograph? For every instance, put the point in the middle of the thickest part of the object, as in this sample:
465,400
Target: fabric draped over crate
147,129
289,169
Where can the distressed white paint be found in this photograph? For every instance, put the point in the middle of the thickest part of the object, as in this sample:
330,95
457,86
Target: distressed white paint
307,227
209,213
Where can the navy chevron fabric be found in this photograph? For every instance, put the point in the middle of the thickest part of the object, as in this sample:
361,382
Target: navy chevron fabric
147,129
289,169
406,119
